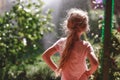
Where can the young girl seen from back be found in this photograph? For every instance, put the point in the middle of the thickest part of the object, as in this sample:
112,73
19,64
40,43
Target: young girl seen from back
73,51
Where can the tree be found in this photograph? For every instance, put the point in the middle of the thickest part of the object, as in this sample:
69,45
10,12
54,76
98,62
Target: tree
20,32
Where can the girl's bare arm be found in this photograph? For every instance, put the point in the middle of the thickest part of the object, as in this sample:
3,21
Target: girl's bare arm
93,62
47,57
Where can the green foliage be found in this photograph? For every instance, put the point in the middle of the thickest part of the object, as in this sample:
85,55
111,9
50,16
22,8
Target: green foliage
96,37
20,32
115,55
96,23
36,71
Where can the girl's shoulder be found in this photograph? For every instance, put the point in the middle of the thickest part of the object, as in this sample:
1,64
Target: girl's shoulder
61,41
63,38
86,43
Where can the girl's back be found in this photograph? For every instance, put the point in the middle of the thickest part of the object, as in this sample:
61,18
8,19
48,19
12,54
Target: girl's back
76,65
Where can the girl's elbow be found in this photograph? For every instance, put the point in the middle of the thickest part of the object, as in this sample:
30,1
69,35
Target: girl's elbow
96,63
44,57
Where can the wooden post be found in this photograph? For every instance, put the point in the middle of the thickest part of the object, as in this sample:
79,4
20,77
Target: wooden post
107,39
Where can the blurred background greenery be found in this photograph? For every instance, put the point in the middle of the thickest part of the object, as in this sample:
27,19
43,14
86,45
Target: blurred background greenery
23,31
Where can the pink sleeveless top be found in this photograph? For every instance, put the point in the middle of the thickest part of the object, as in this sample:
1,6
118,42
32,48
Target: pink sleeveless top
76,66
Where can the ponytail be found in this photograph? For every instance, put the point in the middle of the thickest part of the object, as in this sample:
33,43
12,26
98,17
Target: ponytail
71,38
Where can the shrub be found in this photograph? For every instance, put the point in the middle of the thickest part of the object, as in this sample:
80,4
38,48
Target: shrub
21,30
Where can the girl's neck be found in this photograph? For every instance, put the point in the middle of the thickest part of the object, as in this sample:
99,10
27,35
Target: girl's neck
79,35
